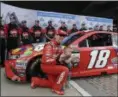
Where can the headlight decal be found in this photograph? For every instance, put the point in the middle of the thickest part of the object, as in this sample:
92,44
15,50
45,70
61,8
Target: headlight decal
21,67
21,64
13,70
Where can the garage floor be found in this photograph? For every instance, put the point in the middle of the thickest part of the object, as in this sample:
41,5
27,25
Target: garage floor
9,88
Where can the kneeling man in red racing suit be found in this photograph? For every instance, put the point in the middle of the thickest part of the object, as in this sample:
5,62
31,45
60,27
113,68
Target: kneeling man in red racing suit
57,74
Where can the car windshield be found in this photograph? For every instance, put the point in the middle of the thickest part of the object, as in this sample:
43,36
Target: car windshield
71,38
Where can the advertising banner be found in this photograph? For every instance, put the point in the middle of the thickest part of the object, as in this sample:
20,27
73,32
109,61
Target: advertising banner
91,22
30,16
56,18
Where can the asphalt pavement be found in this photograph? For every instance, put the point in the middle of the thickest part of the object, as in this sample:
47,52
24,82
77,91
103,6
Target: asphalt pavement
106,85
10,88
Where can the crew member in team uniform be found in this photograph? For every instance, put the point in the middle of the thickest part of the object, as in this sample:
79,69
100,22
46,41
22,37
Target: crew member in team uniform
26,38
74,29
10,25
96,28
23,26
101,28
83,27
109,28
13,40
63,27
35,26
38,36
50,31
3,44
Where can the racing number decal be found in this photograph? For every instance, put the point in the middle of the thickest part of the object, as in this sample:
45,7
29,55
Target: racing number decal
102,59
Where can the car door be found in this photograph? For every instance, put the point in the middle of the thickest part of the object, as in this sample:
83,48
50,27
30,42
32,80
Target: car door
95,58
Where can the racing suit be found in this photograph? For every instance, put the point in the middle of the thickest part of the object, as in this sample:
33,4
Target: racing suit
8,27
35,27
57,74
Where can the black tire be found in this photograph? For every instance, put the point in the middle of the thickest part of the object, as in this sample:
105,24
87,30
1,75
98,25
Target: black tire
34,69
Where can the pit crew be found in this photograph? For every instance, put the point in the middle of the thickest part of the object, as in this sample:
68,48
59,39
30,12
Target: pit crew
101,28
26,38
13,38
57,74
10,25
38,36
74,29
3,44
83,27
23,26
63,27
50,31
96,28
109,28
35,26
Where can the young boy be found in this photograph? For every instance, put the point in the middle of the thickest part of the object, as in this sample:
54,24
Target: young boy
66,58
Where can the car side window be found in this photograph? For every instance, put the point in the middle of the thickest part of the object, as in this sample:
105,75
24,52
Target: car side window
83,43
96,40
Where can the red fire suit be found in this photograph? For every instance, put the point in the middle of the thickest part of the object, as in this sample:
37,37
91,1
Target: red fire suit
57,74
7,29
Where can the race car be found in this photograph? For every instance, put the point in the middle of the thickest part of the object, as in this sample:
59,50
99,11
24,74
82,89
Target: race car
94,53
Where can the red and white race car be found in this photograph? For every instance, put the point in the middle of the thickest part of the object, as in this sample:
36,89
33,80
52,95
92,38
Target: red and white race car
94,53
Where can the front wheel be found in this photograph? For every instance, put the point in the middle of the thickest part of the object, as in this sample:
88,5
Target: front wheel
35,70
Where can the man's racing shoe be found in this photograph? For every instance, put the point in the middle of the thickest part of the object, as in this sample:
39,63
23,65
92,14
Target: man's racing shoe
58,92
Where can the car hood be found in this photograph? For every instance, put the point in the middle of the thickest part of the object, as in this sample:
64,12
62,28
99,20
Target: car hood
27,50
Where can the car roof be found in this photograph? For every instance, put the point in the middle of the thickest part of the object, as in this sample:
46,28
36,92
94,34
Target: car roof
86,34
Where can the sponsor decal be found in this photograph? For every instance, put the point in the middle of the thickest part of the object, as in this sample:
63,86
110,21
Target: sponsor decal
61,77
16,50
20,64
23,48
21,61
99,58
110,67
21,71
27,53
114,62
39,47
30,49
